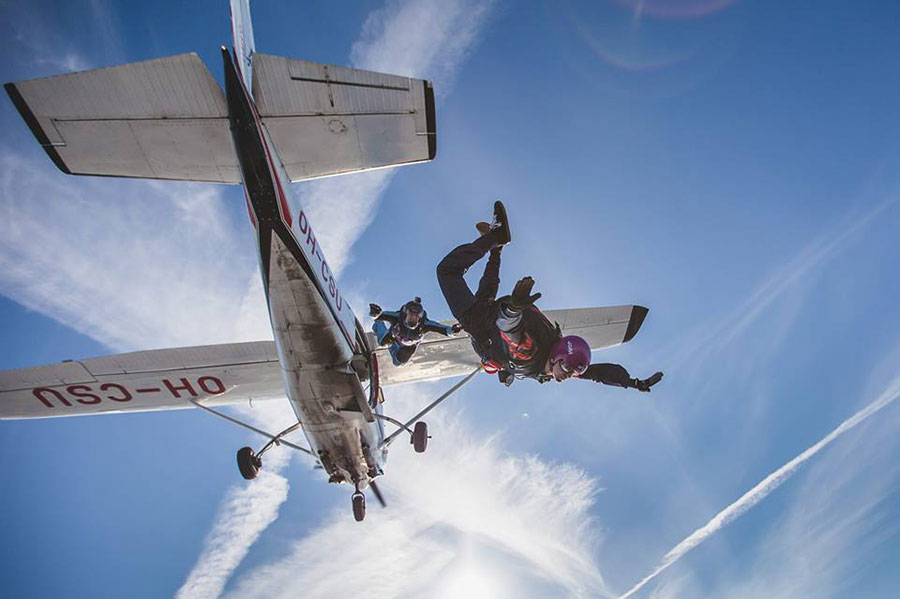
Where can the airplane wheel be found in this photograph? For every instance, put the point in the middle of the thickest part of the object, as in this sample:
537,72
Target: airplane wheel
359,506
248,463
420,437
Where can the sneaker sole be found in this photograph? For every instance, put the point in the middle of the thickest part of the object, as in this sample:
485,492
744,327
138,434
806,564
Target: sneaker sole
504,236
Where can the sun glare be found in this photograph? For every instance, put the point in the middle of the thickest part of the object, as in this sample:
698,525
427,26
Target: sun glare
471,581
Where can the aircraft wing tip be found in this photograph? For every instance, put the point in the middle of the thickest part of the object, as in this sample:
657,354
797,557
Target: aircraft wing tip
638,314
31,120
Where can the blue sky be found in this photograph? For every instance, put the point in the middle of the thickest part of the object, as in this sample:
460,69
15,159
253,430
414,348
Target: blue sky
731,165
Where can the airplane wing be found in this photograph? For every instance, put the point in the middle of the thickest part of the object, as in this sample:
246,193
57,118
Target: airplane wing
242,373
157,119
144,381
330,120
441,357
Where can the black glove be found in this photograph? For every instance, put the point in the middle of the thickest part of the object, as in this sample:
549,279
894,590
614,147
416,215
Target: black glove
374,310
455,329
644,385
506,377
521,296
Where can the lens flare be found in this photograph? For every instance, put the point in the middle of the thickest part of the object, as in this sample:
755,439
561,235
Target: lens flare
674,9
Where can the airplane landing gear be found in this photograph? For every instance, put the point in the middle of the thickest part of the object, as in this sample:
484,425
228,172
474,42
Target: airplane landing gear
419,437
248,463
359,504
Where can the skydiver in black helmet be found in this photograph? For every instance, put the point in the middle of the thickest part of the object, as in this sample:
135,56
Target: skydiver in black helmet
404,329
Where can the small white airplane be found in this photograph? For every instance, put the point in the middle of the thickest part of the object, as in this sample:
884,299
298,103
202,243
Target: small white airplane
279,120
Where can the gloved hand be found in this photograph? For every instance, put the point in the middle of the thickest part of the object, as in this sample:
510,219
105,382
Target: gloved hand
645,384
455,329
521,296
374,310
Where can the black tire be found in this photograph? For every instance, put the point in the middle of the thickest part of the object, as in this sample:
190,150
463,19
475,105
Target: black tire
359,507
420,437
248,463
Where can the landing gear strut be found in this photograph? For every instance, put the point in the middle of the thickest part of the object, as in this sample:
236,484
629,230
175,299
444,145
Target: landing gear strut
249,462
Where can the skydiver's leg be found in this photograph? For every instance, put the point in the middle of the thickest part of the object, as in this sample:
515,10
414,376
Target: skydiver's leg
452,269
382,332
401,354
490,280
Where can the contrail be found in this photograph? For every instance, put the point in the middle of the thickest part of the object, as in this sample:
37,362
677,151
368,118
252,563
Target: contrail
766,486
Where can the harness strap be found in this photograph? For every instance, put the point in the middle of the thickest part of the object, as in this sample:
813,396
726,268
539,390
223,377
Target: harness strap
491,366
520,351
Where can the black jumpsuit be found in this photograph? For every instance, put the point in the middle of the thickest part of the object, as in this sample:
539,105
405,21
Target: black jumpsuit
507,341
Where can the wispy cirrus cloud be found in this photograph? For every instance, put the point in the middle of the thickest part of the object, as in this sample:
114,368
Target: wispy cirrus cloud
138,265
811,257
242,517
427,39
164,261
439,36
182,273
766,486
465,492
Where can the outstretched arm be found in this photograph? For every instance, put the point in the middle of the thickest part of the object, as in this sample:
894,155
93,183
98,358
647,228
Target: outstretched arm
430,326
616,376
389,317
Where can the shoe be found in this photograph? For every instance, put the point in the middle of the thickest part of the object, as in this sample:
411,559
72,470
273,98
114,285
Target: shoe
500,226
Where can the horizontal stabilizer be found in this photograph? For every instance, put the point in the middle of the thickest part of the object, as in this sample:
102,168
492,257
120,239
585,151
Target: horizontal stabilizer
158,119
328,120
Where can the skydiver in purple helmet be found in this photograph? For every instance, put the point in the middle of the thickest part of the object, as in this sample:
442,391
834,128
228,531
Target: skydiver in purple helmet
404,329
510,335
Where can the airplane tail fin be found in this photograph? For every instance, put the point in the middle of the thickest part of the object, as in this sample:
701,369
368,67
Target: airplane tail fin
242,36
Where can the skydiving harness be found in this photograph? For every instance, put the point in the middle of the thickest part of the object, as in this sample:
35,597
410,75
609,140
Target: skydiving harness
523,351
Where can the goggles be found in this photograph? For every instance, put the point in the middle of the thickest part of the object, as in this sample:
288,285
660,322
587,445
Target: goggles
577,370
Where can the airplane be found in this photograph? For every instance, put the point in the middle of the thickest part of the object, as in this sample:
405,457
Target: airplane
279,120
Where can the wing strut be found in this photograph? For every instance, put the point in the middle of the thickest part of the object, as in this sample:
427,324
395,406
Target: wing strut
276,439
405,427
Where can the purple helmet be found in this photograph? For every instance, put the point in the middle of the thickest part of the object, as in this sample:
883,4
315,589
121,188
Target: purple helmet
573,353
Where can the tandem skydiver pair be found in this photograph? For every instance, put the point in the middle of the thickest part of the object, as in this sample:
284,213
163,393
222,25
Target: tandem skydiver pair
511,336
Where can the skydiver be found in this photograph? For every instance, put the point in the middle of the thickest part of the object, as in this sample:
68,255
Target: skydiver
405,328
510,335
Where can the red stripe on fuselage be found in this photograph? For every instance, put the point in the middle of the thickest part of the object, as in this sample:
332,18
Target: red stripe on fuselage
250,212
282,200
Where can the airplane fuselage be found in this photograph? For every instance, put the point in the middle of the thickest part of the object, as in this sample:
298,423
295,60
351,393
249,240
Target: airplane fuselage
317,335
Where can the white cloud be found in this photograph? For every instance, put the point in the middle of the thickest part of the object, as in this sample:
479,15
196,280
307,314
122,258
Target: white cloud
838,520
464,491
421,38
439,35
426,39
766,486
131,264
169,268
785,279
245,513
